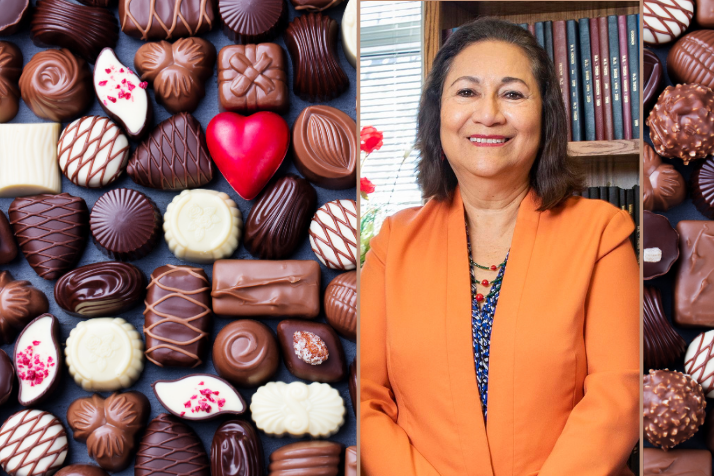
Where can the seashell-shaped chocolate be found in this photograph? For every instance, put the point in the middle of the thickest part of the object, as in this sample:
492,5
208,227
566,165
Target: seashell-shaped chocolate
306,457
7,377
32,443
13,15
325,147
279,220
351,461
312,42
20,303
198,397
38,360
251,21
166,19
690,59
662,344
51,231
341,304
236,450
665,20
702,181
333,234
663,187
10,71
653,77
100,289
8,247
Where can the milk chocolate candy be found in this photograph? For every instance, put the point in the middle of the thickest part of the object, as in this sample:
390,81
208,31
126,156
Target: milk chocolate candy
252,21
51,231
245,353
20,303
314,5
12,14
664,21
236,450
177,320
693,302
660,249
341,304
279,219
705,13
352,384
253,78
198,397
312,351
10,71
28,159
33,443
306,457
662,344
38,360
81,470
709,430
653,77
688,60
677,462
7,377
663,187
170,448
8,248
333,234
166,19
100,289
351,461
253,288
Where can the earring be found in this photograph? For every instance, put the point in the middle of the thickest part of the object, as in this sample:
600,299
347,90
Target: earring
443,157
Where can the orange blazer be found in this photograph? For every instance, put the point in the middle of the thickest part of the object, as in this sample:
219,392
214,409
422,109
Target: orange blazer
564,371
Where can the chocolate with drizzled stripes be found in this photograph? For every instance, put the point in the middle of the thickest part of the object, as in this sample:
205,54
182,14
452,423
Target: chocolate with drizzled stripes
32,443
333,234
665,20
699,361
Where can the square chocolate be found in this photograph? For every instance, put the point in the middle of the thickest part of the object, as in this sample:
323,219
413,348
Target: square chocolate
253,78
312,351
677,462
694,288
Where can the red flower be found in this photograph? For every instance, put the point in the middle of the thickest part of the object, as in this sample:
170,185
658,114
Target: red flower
366,185
370,139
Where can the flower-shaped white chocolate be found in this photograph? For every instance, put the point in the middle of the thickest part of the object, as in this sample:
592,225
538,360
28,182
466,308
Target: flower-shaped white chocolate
298,409
104,354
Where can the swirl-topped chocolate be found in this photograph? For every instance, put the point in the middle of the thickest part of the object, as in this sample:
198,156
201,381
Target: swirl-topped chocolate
10,71
245,353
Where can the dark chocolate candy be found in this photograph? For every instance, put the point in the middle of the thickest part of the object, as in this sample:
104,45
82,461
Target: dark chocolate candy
312,42
662,344
689,59
660,245
110,427
174,157
51,231
693,301
261,288
663,187
7,377
252,21
236,450
12,14
279,220
100,289
170,448
312,350
167,19
177,319
125,224
56,85
98,3
245,353
177,72
653,77
8,247
20,303
341,304
81,470
702,187
199,397
709,431
351,461
10,71
38,360
314,5
352,384
83,29
306,458
705,13
677,462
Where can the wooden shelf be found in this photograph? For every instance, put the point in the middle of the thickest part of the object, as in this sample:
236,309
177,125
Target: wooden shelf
613,148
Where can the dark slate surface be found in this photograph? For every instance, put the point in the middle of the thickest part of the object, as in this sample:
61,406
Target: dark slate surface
68,390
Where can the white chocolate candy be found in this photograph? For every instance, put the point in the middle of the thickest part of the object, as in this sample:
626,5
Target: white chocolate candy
198,397
32,442
37,359
665,20
28,159
699,361
333,234
104,354
280,408
349,32
202,226
652,255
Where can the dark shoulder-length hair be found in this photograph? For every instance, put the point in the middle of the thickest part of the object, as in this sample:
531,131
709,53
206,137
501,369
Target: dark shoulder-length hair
553,176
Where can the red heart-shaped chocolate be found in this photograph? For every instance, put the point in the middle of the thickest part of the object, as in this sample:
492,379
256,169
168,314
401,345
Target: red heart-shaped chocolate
248,150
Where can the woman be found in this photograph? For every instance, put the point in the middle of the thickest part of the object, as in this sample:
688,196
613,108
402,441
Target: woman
548,384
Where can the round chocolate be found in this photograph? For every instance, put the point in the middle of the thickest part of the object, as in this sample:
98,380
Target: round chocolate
314,5
341,304
236,450
245,353
333,234
10,71
673,408
81,470
699,361
56,85
7,377
703,188
12,14
252,21
663,187
662,344
660,245
653,76
689,59
682,122
23,454
125,224
20,303
665,20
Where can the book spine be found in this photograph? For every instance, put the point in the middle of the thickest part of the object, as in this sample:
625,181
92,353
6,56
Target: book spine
604,193
597,79
523,25
560,50
576,125
633,50
548,29
615,86
531,28
540,34
588,102
630,200
593,192
613,196
605,76
585,193
623,200
625,77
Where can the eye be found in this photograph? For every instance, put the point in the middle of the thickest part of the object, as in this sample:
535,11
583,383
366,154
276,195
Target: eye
467,93
513,95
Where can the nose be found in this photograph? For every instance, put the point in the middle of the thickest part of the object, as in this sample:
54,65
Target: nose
487,111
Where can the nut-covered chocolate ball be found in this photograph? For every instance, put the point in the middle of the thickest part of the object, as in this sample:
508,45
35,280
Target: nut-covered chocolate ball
673,408
663,186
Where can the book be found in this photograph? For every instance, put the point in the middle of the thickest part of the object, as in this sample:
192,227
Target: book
540,34
585,193
548,30
624,77
593,192
623,201
574,80
597,79
615,86
604,193
633,50
523,25
560,50
613,196
605,77
630,200
586,80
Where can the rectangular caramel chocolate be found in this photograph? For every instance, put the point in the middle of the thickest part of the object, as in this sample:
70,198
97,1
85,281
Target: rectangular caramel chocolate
694,288
677,462
261,288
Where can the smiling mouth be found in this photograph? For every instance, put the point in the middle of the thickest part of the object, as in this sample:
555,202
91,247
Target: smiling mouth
488,142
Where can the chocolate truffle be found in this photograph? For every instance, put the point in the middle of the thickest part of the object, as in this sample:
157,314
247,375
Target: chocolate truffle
352,384
351,461
24,452
198,397
677,462
51,231
12,15
662,344
20,303
312,43
82,29
245,353
10,71
56,85
663,186
653,77
252,21
341,304
177,72
306,457
681,123
705,13
7,377
236,450
253,78
660,245
664,22
125,224
279,220
693,302
312,350
673,408
702,188
333,234
166,20
699,361
688,60
81,469
38,360
8,248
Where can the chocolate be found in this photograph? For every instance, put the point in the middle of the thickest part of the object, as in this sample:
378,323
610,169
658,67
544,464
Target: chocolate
280,408
699,361
673,408
38,360
662,344
665,21
56,85
312,43
279,219
110,427
12,14
28,159
252,21
174,157
653,77
333,234
349,32
352,384
125,224
663,186
709,431
660,249
687,61
7,377
702,185
98,3
51,231
341,304
92,152
255,288
166,20
677,462
177,319
100,289
681,123
314,5
198,397
104,354
694,301
8,248
236,450
325,147
81,470
351,461
312,351
245,353
705,13
33,443
170,448
10,71
306,458
177,72
252,78
20,303
82,29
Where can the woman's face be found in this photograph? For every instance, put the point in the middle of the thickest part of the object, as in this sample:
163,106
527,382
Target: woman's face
491,112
